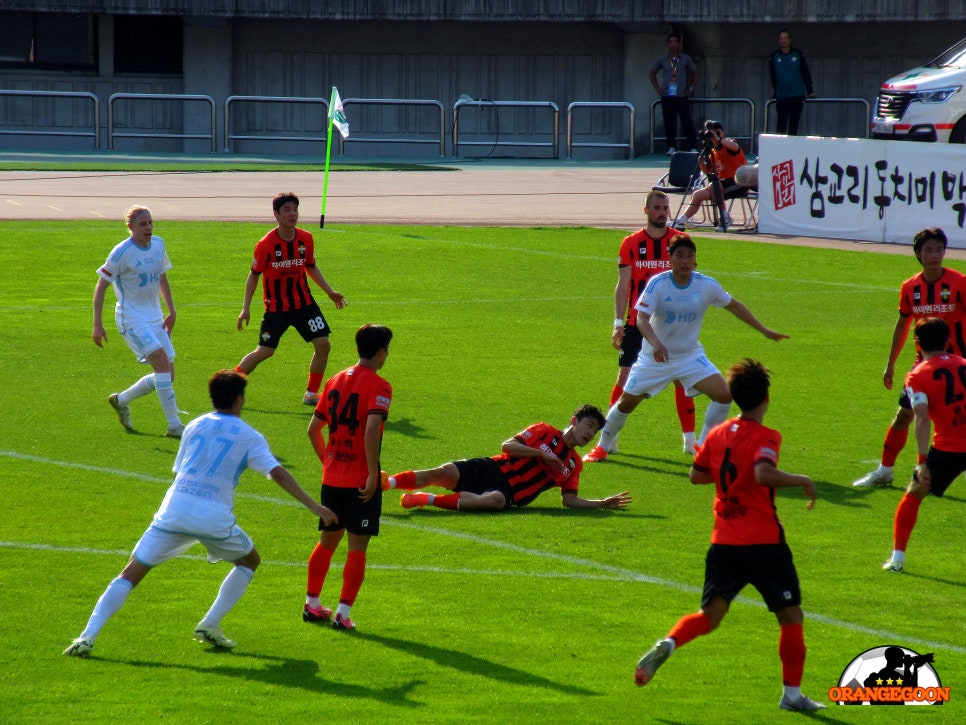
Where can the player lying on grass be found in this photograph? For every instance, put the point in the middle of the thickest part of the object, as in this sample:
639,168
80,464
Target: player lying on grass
740,457
532,461
199,508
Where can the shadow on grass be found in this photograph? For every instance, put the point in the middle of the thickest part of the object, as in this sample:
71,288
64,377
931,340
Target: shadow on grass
938,580
841,495
473,665
305,413
561,512
406,427
637,462
285,672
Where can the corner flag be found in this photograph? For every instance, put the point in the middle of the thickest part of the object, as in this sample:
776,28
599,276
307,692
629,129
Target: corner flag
336,118
337,113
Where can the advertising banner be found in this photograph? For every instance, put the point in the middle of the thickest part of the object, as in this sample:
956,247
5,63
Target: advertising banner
874,191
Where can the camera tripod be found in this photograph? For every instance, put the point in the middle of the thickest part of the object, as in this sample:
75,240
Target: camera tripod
719,219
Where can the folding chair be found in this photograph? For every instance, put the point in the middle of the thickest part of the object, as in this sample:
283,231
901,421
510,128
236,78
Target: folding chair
746,176
748,206
683,177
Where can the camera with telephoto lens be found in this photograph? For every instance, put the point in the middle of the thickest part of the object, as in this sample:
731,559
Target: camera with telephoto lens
707,133
919,661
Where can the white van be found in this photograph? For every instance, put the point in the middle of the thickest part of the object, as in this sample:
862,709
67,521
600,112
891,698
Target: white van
926,103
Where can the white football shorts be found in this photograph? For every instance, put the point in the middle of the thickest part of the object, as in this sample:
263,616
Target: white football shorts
157,546
649,378
145,339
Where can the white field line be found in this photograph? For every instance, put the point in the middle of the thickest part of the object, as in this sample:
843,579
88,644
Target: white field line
607,572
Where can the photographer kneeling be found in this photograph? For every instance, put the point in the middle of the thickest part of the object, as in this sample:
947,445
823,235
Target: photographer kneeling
725,156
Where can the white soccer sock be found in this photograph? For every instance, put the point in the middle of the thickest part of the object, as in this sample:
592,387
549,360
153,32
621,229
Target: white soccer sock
111,600
898,556
144,386
162,383
716,414
230,592
343,610
612,427
792,693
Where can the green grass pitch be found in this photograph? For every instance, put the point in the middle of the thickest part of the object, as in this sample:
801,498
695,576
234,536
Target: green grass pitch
537,615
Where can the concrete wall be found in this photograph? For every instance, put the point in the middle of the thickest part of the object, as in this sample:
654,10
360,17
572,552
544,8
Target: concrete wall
524,61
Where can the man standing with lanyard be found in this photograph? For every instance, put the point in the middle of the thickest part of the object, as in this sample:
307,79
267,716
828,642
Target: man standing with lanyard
679,81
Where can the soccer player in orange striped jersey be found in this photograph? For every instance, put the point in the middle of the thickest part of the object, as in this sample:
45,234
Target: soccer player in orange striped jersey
536,459
284,258
936,291
740,457
642,255
936,390
353,408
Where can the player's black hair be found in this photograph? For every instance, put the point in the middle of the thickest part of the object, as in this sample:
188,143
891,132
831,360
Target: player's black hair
282,199
748,382
673,35
370,339
924,235
224,388
590,411
932,334
681,240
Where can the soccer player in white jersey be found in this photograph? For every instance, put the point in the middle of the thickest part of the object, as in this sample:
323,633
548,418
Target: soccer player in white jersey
199,508
669,315
137,268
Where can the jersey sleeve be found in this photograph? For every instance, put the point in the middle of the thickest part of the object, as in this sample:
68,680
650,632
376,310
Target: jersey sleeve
259,262
165,259
380,400
719,297
645,303
260,457
624,258
768,447
905,302
309,248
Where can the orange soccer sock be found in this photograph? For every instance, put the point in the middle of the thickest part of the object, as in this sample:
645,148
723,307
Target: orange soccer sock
615,394
690,627
449,501
906,514
895,441
791,650
353,574
319,561
685,406
405,480
315,382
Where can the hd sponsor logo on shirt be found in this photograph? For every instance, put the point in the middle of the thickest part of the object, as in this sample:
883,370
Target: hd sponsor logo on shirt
890,675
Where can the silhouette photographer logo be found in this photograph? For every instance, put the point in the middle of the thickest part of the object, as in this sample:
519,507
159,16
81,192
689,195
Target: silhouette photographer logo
890,675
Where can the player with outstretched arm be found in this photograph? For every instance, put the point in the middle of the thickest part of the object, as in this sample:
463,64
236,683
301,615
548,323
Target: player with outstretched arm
199,508
748,545
535,460
670,313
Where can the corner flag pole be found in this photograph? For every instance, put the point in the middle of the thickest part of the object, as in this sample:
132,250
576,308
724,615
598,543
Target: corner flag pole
325,182
338,119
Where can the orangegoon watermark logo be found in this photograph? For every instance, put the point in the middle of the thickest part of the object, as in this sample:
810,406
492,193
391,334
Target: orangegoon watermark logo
890,675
